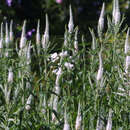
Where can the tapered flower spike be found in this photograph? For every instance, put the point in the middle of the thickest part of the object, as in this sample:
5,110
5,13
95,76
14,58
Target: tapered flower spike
93,40
127,43
7,35
100,70
71,23
28,103
44,105
10,76
55,106
101,19
11,31
116,12
127,64
59,74
1,37
65,39
38,33
109,122
23,36
28,53
66,124
76,40
45,38
78,119
57,91
114,9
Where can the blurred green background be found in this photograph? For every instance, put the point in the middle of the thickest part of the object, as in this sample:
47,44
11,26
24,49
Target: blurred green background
86,13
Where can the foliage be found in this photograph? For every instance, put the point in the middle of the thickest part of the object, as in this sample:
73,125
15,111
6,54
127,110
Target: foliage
44,87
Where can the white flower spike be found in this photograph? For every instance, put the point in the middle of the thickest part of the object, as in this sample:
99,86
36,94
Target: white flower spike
93,40
127,64
66,124
109,122
10,76
23,36
11,31
76,40
71,23
101,19
28,103
45,38
38,33
100,70
28,53
78,119
116,12
127,43
7,35
1,37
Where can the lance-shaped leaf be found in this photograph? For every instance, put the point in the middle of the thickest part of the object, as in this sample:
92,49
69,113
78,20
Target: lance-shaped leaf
109,121
38,33
7,35
71,23
23,36
45,38
11,31
100,70
78,119
66,124
101,19
127,43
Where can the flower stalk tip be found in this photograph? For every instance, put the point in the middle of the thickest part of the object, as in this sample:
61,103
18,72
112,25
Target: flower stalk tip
71,23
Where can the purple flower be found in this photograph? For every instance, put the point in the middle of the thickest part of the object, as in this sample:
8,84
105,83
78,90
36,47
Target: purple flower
9,2
59,1
29,33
